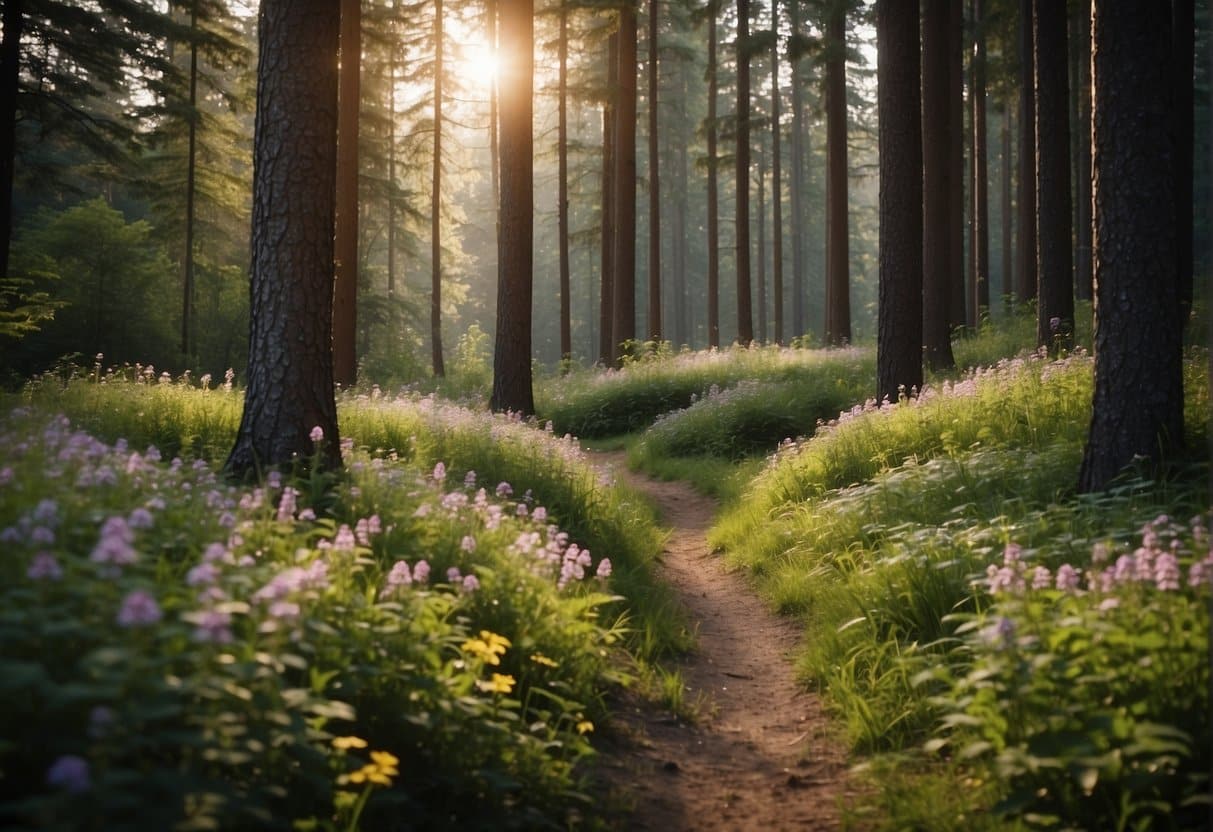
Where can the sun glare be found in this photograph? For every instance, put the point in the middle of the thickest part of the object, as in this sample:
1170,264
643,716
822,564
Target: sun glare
478,65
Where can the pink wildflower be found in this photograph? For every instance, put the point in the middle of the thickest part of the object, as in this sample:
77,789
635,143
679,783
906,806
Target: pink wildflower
138,608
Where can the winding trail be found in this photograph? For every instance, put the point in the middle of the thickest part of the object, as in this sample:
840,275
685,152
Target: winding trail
760,755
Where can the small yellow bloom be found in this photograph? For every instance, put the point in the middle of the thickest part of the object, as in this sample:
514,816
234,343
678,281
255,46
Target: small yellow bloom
539,658
488,648
386,761
499,683
585,726
346,743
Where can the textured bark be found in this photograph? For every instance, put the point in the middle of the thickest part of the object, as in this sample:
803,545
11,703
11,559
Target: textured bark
345,253
741,170
1054,261
838,288
1083,287
655,322
490,17
1138,402
624,307
10,67
512,389
713,191
191,169
776,183
760,282
899,325
393,69
956,155
562,198
606,313
436,207
797,187
1025,215
1008,274
1183,28
979,293
937,177
290,366
682,306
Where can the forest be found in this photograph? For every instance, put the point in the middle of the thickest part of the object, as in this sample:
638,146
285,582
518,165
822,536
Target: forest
599,414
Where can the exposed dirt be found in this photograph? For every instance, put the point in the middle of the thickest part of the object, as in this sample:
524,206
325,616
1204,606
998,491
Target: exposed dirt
759,755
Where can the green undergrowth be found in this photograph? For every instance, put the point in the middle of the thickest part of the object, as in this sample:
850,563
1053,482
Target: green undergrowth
879,534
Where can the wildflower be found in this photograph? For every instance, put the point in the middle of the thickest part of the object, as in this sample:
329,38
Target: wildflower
1041,578
284,610
213,627
399,576
203,574
215,552
100,721
470,583
422,510
604,568
44,567
380,771
1067,578
1000,634
504,489
469,480
307,515
1109,604
468,544
344,540
273,480
114,546
138,608
287,504
585,726
1166,572
488,647
346,743
317,435
498,683
540,514
539,658
1012,554
70,773
439,472
421,572
520,510
453,576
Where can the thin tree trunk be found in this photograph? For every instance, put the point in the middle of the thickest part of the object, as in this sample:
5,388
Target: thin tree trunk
713,196
1083,287
562,152
899,325
1055,279
681,301
1025,227
761,282
606,306
838,282
655,321
512,389
956,144
624,325
345,287
187,269
490,7
797,186
436,206
745,316
776,181
1183,28
937,192
980,293
1007,277
13,18
391,160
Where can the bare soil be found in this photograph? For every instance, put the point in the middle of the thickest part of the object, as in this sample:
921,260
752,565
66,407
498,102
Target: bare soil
759,754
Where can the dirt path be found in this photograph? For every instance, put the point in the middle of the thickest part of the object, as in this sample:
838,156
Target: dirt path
759,756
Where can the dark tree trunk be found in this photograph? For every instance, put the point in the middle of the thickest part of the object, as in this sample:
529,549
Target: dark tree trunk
1083,287
606,306
1183,28
1055,280
655,322
713,196
345,252
956,153
290,364
797,186
682,312
745,314
760,284
937,176
562,152
1138,402
10,68
979,301
191,170
624,324
512,357
776,182
838,288
899,327
1025,226
1008,274
436,206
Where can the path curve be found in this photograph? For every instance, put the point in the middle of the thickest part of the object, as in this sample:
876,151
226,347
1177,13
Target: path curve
761,755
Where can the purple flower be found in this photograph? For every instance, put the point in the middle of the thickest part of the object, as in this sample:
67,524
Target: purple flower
1166,572
114,547
317,434
504,489
1041,578
213,627
468,544
1000,634
44,567
70,773
1067,578
287,505
470,583
344,540
42,536
284,610
138,608
604,568
453,576
540,514
439,472
140,518
469,479
421,572
100,720
400,575
216,552
203,574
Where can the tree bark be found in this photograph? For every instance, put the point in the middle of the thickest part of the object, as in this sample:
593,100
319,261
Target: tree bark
776,181
562,199
956,156
1008,168
760,283
606,311
1025,226
191,169
713,190
1055,279
13,18
512,390
979,302
899,326
741,169
654,317
1183,28
490,12
436,206
1083,287
290,366
797,187
937,193
624,324
1138,401
345,287
838,290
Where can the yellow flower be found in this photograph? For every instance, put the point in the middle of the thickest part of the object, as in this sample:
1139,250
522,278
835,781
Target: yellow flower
385,761
488,648
346,743
585,726
539,658
499,683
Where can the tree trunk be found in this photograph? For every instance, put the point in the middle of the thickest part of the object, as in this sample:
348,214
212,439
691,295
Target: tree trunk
776,181
191,169
1025,226
979,302
937,175
899,327
838,290
797,186
1083,287
713,196
606,307
1183,27
1008,275
1055,279
562,152
745,315
391,161
683,334
290,365
1138,402
10,70
624,325
345,287
512,389
761,281
436,206
490,11
956,151
655,322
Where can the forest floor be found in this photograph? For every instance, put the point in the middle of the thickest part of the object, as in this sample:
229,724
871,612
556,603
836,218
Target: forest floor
760,752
